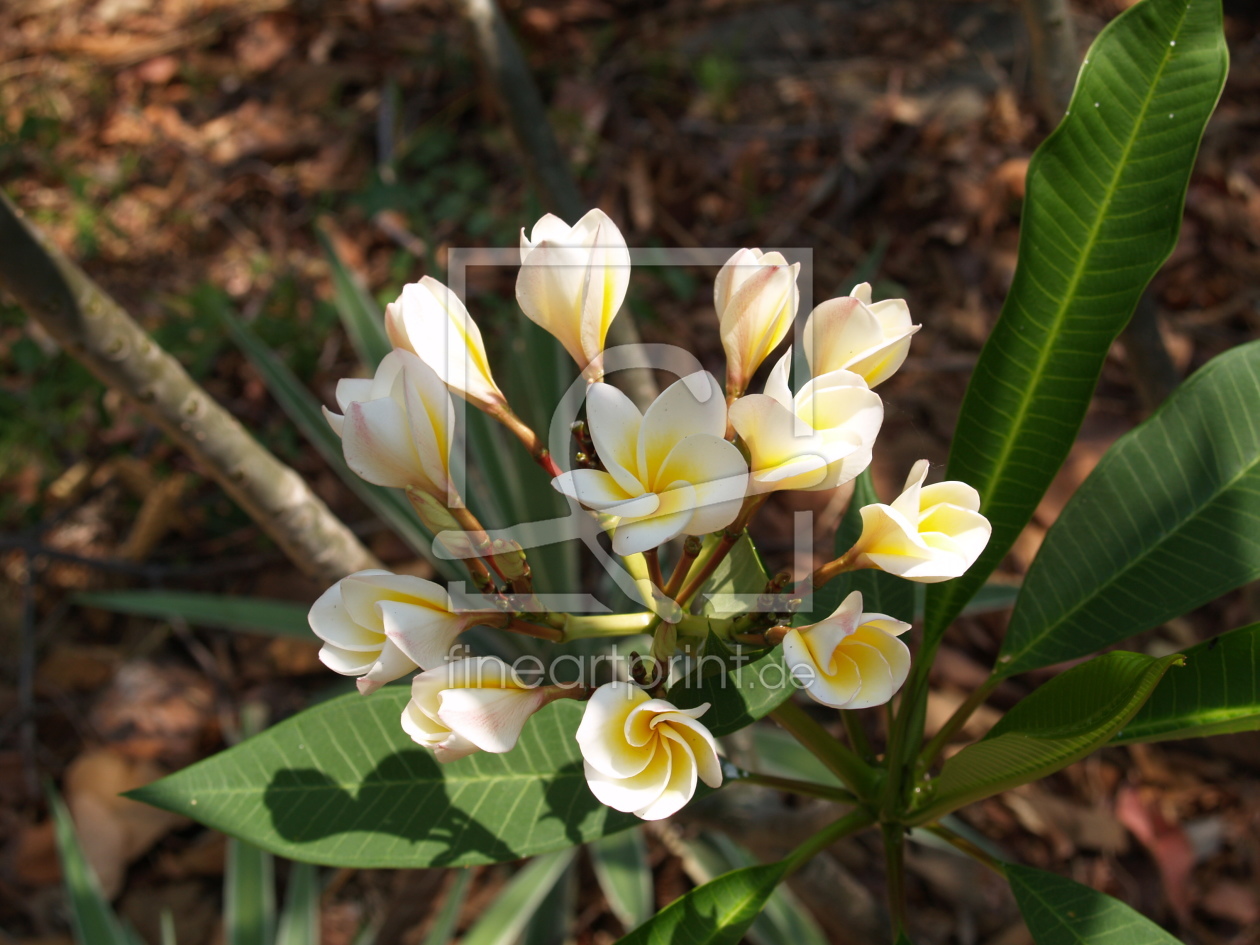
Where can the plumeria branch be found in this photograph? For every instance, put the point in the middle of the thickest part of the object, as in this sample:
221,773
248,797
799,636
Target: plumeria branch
959,842
956,721
847,766
850,823
791,785
730,536
529,439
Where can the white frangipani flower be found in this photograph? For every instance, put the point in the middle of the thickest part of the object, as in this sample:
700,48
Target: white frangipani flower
644,755
398,427
756,296
928,534
379,626
854,334
477,704
572,283
819,439
430,321
668,471
849,660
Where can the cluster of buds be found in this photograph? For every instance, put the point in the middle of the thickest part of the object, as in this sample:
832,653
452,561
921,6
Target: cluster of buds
699,460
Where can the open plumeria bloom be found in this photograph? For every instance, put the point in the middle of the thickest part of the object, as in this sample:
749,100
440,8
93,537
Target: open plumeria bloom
430,321
850,660
572,282
756,297
667,472
379,626
398,427
928,534
644,755
477,704
854,334
819,439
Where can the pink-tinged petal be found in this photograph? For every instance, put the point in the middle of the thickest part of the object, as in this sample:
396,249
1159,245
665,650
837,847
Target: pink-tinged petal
330,621
427,636
492,719
732,275
837,332
335,420
362,591
453,748
862,292
692,404
778,385
348,662
614,423
376,441
352,390
390,665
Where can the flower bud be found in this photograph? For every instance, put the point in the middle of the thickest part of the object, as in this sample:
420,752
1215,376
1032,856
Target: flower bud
666,472
644,755
430,321
398,427
755,295
854,334
819,439
477,704
572,283
928,534
379,626
849,660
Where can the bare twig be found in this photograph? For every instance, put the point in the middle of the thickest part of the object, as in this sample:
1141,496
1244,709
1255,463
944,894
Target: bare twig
94,328
514,84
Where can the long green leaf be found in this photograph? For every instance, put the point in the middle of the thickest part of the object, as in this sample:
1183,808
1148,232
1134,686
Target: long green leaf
303,409
1168,520
620,861
1105,194
553,921
506,918
91,917
783,919
341,784
299,919
717,913
1218,692
361,316
1062,722
443,928
1062,912
253,614
249,895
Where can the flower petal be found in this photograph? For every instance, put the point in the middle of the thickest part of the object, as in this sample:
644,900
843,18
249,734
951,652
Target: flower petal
614,423
492,719
376,441
600,735
678,412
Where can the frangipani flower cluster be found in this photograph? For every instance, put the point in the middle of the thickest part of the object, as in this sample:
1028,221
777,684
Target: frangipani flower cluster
693,465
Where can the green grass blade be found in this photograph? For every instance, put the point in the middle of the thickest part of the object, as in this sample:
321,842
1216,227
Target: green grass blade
1105,195
506,918
299,919
91,917
167,929
443,929
249,895
361,316
251,614
1165,522
620,861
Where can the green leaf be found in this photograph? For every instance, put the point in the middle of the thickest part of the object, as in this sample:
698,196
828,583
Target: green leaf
303,409
738,695
717,913
249,895
882,593
341,784
1066,719
620,861
738,580
91,917
252,614
361,317
1166,521
299,919
777,753
1218,692
553,920
443,928
784,917
1105,195
506,918
1062,912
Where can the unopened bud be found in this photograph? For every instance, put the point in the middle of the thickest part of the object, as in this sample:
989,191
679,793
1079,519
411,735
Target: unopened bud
509,559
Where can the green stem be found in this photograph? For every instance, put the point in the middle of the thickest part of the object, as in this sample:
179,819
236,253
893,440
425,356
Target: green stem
581,626
895,858
857,735
956,721
959,842
843,763
808,788
850,823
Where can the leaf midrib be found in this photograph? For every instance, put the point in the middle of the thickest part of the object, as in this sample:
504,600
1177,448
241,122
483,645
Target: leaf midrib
1149,548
